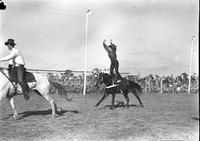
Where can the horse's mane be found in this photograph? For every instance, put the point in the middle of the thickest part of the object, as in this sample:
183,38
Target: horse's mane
107,78
106,75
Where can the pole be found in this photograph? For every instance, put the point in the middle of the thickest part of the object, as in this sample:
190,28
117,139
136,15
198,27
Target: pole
161,85
1,40
191,56
85,69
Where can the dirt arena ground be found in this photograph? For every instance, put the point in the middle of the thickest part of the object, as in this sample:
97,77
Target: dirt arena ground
164,117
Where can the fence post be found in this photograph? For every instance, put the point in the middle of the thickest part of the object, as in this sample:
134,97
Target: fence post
173,86
161,85
146,85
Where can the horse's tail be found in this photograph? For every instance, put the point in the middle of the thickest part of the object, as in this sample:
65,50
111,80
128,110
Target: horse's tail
136,86
57,88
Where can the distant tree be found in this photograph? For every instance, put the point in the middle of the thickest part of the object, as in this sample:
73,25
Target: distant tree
68,73
95,71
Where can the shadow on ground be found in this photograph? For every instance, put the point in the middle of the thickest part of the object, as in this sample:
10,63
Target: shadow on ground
46,112
120,104
40,112
195,118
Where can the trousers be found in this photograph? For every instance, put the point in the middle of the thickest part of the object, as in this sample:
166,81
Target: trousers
114,66
20,70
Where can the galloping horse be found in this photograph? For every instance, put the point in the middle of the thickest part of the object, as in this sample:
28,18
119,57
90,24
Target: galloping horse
124,88
42,87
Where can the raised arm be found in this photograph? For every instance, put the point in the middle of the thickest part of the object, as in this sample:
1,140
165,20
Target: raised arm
105,46
111,41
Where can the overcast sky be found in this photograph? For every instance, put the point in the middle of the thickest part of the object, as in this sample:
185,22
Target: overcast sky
152,36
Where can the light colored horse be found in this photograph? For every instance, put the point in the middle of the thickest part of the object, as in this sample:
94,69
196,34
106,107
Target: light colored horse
43,86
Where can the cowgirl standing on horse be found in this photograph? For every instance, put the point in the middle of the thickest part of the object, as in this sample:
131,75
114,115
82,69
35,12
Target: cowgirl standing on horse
111,50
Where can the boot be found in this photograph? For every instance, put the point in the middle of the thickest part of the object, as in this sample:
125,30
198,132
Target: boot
25,90
25,94
118,81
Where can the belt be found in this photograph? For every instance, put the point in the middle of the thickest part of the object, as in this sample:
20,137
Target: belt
17,65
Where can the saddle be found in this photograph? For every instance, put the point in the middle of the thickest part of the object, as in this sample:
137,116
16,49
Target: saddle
29,77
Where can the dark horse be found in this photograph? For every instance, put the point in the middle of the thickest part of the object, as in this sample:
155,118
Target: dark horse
124,88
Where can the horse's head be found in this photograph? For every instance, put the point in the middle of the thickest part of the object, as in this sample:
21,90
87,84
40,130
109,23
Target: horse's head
100,78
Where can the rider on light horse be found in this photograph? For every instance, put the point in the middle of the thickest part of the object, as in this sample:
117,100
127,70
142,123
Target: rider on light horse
16,61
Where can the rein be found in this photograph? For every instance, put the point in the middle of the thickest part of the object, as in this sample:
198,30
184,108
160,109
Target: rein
101,81
8,79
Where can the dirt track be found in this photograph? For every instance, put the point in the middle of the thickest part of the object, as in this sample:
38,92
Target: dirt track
164,117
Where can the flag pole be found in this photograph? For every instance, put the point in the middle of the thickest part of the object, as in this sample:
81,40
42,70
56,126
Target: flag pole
85,68
1,40
191,56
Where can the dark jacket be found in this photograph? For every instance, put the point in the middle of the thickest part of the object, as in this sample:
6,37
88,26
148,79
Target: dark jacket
111,49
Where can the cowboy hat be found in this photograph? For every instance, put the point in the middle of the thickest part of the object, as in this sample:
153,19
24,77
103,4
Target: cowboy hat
10,42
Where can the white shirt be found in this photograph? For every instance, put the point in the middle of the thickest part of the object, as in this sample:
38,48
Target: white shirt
15,58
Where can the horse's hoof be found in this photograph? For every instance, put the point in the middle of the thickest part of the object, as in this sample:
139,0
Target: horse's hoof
54,115
59,109
15,117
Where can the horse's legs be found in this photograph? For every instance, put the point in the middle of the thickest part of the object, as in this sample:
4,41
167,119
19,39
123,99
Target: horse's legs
104,96
113,101
51,101
127,99
3,93
53,105
1,96
12,103
136,95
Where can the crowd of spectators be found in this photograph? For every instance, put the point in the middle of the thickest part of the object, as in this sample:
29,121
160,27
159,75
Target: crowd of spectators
150,83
